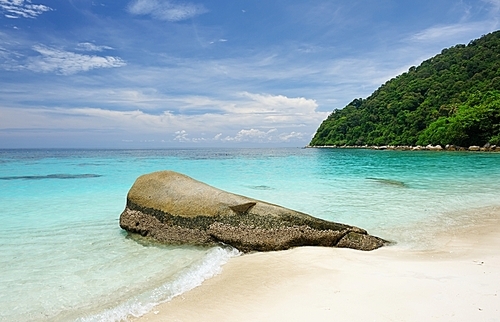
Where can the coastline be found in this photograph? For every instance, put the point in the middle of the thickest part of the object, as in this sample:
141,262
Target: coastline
456,281
429,147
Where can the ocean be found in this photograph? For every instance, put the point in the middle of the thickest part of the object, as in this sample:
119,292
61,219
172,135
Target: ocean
64,257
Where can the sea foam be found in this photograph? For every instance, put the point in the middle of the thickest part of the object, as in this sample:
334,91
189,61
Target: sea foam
141,304
65,258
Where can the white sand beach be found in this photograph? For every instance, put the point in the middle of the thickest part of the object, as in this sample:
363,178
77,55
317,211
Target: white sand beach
457,281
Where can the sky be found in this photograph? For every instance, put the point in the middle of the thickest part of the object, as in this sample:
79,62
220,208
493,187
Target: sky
225,73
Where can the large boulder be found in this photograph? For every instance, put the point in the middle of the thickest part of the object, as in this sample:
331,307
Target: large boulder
176,209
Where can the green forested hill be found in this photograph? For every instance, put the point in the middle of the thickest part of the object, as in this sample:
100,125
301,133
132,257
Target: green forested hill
452,98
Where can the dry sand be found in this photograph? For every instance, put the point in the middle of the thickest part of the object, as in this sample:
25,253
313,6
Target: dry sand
458,281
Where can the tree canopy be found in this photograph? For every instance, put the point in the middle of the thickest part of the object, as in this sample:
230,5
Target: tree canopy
452,98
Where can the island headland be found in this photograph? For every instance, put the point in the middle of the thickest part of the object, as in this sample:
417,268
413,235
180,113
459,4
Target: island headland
451,99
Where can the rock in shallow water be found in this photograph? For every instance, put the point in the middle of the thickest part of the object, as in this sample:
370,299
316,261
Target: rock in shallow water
176,209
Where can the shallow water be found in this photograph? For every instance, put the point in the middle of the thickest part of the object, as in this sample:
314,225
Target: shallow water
65,258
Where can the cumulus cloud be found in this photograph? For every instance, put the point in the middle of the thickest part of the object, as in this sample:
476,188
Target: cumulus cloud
247,119
251,135
286,137
260,136
282,104
66,63
181,136
165,10
255,108
87,46
22,9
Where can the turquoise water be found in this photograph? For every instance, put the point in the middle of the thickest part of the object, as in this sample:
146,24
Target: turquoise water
64,258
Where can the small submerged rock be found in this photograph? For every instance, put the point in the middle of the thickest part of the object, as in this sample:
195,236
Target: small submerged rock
389,182
176,209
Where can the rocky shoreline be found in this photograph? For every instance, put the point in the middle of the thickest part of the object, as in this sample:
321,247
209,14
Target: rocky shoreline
449,147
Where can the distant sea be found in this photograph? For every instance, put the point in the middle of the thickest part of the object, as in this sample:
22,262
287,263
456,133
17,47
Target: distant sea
64,257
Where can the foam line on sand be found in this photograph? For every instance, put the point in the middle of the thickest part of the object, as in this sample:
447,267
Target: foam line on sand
457,281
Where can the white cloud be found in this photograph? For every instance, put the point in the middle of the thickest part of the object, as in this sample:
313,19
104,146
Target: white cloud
251,135
66,63
452,33
429,42
260,136
495,5
165,10
22,9
219,40
440,32
285,137
272,104
251,118
181,136
87,46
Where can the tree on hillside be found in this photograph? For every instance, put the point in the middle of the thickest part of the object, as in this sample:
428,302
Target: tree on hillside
452,98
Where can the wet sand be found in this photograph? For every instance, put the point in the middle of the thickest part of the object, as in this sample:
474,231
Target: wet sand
457,281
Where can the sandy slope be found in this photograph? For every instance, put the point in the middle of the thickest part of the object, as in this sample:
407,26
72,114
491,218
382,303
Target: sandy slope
459,281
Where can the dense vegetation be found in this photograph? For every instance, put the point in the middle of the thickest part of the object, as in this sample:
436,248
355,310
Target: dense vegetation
452,98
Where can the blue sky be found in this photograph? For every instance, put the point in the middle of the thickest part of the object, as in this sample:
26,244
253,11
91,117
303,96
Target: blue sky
164,74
